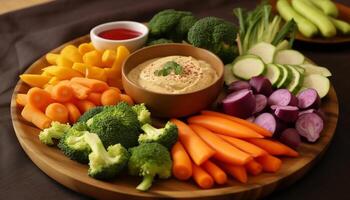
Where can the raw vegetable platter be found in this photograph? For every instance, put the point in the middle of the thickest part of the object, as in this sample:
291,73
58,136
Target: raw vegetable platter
237,146
73,175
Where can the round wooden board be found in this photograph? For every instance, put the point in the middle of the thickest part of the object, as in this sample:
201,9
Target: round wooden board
74,175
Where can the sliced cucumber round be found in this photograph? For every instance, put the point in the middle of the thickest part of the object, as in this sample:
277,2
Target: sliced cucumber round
228,75
300,69
248,66
289,56
320,83
314,69
264,50
286,77
296,80
273,73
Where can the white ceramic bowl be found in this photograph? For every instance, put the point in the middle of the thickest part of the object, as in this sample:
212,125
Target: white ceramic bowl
132,44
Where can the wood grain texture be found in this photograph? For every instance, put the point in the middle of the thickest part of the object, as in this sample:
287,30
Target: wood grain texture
74,175
339,38
12,5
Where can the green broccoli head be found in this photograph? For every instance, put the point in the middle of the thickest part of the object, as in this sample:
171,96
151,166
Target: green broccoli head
55,131
149,160
166,136
105,164
143,114
90,113
112,130
216,35
73,144
151,42
171,24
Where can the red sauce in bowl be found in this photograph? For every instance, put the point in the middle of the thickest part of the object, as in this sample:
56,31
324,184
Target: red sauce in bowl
119,34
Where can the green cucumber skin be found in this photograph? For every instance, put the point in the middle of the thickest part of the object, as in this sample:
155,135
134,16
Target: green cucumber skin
288,79
299,81
279,76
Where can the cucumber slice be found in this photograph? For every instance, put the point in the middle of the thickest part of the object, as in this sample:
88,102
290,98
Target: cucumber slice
228,75
314,69
300,69
273,73
248,66
289,56
296,80
282,45
320,83
264,50
286,77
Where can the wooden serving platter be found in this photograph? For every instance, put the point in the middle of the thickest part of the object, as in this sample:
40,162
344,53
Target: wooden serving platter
74,175
337,39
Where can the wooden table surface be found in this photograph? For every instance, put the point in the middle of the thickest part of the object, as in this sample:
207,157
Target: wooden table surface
11,5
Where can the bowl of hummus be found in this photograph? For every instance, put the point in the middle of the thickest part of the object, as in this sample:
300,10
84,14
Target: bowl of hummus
173,80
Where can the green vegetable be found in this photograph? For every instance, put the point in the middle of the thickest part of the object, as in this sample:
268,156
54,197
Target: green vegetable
316,16
168,67
90,113
296,81
327,6
216,35
305,27
343,26
273,73
228,75
256,26
158,41
73,144
314,69
116,124
143,114
56,131
265,51
105,164
149,160
289,56
166,136
320,83
248,66
171,24
286,76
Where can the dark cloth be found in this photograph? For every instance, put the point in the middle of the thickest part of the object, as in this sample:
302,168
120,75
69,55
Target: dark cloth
27,34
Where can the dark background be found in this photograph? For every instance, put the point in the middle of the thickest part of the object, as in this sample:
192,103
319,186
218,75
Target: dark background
27,34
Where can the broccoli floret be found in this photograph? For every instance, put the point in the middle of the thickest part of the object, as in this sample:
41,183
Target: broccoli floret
171,24
149,160
143,114
166,136
116,124
90,113
216,35
158,41
105,164
73,144
56,131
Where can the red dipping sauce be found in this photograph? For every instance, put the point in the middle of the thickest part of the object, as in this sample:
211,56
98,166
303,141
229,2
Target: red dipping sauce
119,34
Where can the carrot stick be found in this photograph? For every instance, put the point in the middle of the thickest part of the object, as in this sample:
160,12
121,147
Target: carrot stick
245,146
224,126
218,174
95,98
269,163
36,116
93,84
73,112
202,178
39,98
225,152
262,131
21,99
80,91
237,171
110,97
274,147
198,150
84,105
253,167
62,92
127,99
57,112
182,167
